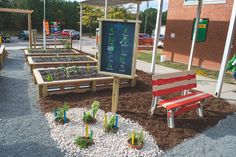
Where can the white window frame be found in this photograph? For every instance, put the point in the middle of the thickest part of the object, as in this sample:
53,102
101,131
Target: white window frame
205,2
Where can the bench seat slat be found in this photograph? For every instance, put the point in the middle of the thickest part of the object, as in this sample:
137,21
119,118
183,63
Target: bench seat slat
172,80
175,89
184,100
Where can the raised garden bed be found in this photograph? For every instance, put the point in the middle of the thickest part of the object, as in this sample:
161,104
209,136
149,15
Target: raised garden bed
3,54
56,61
52,52
73,79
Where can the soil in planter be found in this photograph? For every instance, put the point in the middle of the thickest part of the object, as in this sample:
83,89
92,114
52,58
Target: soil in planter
111,130
60,121
62,59
51,51
135,143
63,73
135,102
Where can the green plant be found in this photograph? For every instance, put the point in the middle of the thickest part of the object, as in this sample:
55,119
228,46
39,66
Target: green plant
138,137
67,45
90,116
48,78
95,107
88,67
60,112
83,142
111,124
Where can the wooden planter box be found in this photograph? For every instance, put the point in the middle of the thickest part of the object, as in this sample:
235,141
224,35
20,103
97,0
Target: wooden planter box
3,55
72,52
76,85
33,64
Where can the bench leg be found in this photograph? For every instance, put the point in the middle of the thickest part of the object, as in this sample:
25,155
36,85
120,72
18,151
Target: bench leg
200,111
153,105
170,118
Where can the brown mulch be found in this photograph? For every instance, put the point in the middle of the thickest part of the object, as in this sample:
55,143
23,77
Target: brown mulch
134,103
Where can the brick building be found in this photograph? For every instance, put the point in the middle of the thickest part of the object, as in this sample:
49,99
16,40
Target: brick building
181,14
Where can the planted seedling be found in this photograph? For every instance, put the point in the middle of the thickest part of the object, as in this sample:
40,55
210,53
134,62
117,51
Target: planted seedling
112,126
85,141
88,68
90,116
48,78
136,140
60,114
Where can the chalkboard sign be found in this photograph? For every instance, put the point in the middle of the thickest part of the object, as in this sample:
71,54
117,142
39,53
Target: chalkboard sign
118,48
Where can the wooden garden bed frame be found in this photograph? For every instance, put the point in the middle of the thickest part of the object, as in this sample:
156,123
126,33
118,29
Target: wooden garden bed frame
27,53
3,54
34,65
76,85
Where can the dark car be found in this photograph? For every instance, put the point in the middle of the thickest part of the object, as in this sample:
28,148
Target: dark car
24,35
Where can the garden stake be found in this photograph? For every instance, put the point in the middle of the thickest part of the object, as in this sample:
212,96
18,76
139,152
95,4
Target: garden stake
86,130
105,120
116,126
55,113
64,116
91,135
132,138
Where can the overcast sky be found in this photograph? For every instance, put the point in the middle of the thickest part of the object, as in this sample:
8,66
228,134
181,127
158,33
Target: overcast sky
153,4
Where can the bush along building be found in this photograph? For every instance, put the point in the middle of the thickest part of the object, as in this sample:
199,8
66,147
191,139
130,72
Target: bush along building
212,32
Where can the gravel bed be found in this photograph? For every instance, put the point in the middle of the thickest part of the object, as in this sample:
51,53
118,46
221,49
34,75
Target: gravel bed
106,145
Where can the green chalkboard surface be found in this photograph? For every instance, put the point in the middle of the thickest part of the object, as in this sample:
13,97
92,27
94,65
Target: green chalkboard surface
117,47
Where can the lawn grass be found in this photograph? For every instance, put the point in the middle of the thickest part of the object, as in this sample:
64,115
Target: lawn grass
147,57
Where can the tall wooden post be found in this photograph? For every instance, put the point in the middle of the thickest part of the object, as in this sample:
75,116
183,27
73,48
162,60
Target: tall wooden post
30,30
115,94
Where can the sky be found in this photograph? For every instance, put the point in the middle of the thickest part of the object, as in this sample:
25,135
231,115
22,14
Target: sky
143,6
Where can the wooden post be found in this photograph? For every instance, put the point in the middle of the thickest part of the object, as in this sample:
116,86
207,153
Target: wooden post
30,30
115,94
35,38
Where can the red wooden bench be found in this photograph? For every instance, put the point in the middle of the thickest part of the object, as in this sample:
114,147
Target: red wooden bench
164,84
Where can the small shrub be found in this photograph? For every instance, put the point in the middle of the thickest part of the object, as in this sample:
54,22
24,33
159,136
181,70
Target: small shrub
138,137
90,116
48,78
83,142
60,113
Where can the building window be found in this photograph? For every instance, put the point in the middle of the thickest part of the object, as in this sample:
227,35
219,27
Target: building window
194,2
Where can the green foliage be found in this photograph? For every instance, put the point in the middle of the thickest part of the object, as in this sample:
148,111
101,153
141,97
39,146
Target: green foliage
48,78
88,68
83,142
95,108
61,110
67,45
111,124
87,117
138,137
90,116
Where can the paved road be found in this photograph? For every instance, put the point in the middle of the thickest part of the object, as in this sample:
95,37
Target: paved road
24,132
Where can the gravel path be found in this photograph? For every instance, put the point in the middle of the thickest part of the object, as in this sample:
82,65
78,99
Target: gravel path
24,131
215,142
106,145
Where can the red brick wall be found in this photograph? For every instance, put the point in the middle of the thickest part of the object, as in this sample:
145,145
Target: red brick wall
207,54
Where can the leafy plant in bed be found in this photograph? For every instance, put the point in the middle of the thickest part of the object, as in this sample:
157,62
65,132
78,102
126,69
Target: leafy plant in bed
136,140
112,125
89,117
60,114
70,73
85,141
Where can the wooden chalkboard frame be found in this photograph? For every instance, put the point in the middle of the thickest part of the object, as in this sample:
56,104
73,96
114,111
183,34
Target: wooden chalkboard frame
137,26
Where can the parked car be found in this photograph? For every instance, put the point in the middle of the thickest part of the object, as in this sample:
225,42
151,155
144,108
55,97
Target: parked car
71,33
145,39
24,35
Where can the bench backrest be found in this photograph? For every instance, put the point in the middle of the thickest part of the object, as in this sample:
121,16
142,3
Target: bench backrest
173,82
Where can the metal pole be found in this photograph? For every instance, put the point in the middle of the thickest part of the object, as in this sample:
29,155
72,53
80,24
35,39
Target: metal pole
227,50
157,35
199,9
44,29
146,18
81,27
138,11
106,9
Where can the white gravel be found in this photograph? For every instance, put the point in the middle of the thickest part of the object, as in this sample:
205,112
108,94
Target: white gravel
106,145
